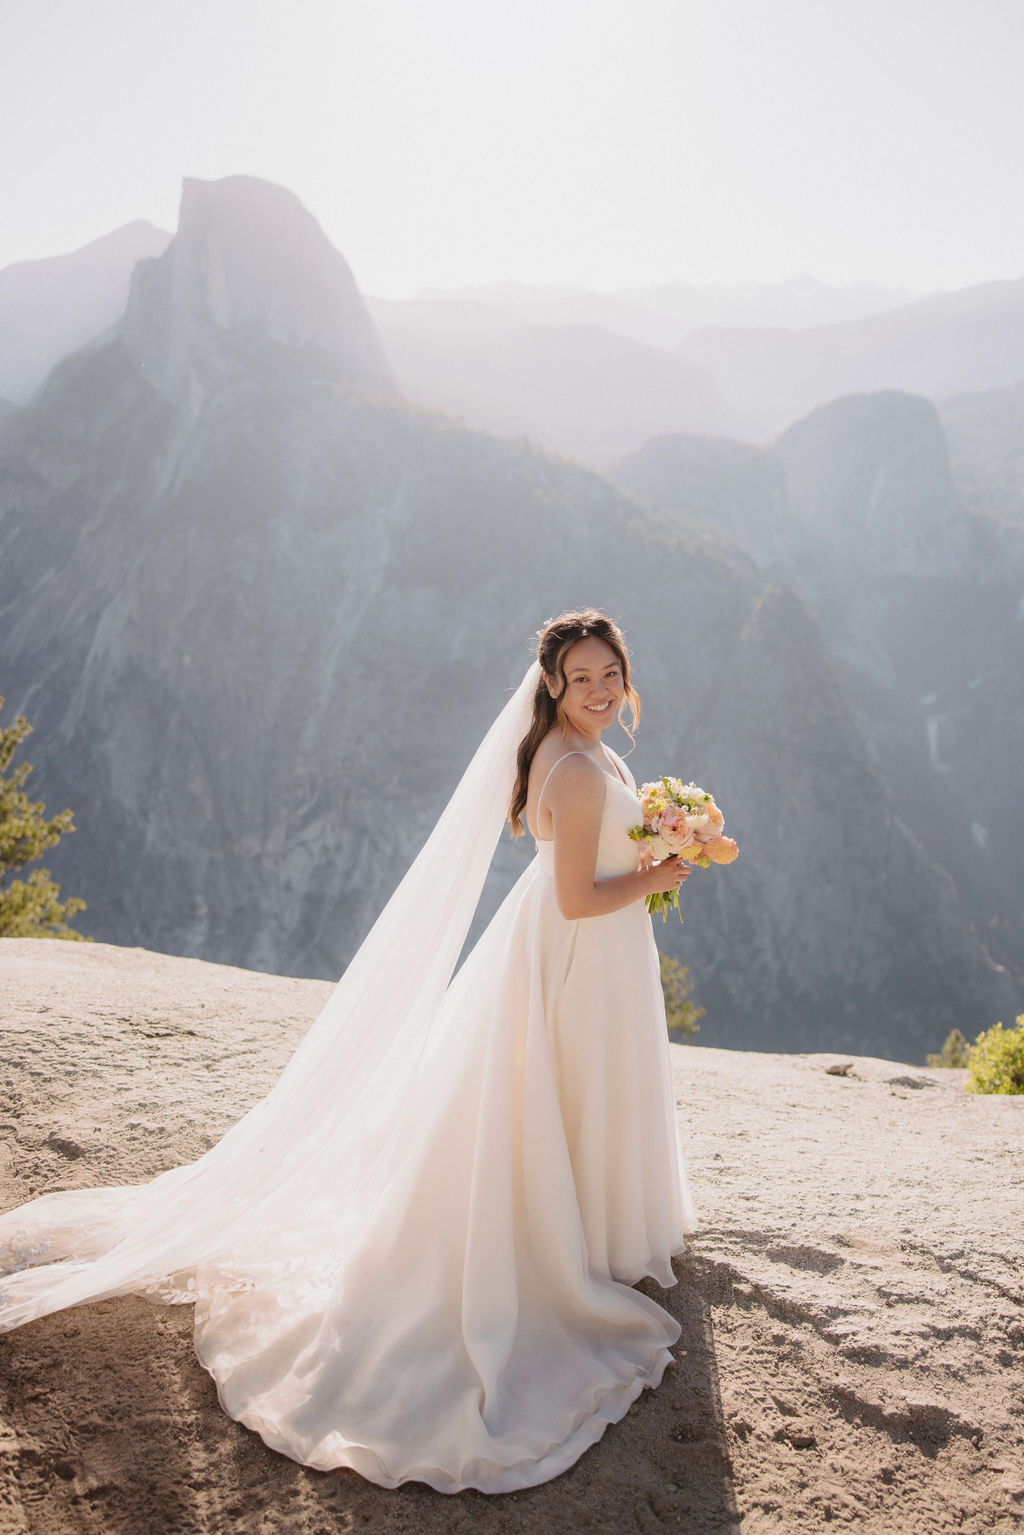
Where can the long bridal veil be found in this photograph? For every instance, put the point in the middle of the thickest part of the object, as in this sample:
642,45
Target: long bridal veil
291,1185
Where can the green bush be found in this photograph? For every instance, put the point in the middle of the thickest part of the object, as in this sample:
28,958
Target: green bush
680,1012
996,1060
954,1052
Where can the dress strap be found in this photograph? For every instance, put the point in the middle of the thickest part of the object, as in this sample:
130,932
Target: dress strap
561,759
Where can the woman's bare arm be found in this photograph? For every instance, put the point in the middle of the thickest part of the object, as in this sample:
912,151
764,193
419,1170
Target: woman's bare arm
575,797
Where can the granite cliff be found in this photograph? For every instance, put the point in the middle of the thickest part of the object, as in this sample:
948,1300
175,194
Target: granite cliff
260,609
918,603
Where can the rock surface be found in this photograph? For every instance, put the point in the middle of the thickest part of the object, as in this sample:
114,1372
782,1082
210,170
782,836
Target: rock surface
852,1306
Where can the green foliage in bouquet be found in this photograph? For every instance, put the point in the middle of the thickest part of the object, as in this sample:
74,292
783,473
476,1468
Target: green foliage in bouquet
680,1012
996,1060
954,1052
29,908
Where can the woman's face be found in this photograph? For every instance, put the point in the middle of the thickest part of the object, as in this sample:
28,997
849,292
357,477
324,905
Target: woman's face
594,686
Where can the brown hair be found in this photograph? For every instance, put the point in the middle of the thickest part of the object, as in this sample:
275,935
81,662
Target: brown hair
553,643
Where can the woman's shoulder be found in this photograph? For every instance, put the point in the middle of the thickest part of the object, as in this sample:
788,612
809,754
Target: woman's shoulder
575,767
551,750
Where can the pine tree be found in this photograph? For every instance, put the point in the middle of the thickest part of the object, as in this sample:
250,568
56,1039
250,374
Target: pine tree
29,908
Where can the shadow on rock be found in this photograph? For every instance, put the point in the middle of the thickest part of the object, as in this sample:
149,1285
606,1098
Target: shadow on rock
109,1423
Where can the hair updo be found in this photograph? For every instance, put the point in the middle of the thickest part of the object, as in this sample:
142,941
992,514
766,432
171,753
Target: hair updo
554,642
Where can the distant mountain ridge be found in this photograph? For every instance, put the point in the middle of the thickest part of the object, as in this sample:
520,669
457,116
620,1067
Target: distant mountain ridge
574,390
50,307
592,376
588,375
661,314
948,344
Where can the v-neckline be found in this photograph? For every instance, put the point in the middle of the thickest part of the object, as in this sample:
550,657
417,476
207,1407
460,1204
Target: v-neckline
615,764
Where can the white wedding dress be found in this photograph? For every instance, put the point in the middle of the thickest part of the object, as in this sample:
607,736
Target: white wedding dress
415,1256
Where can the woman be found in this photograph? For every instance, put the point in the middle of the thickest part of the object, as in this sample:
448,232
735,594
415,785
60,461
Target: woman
415,1256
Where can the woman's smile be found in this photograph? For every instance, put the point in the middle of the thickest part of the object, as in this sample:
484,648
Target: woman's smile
594,687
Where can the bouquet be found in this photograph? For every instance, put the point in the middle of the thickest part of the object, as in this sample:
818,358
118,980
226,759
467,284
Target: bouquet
680,821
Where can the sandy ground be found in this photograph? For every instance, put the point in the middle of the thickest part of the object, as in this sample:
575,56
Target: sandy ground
852,1307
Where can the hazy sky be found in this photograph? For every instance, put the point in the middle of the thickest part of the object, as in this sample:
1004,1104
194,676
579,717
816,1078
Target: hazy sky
606,142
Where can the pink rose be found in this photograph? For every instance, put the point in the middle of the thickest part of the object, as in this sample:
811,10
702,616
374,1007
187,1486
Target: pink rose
677,836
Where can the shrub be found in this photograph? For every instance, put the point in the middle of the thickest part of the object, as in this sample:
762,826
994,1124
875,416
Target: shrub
954,1052
681,1014
996,1060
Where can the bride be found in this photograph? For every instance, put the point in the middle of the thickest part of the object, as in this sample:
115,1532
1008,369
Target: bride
415,1256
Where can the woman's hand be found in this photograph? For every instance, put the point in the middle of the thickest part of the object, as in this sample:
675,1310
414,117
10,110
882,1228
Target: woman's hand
665,877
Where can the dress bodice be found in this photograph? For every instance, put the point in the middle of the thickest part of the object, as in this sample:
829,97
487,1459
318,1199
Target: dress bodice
616,851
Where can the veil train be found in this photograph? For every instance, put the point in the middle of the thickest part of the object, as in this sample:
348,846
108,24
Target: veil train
309,1156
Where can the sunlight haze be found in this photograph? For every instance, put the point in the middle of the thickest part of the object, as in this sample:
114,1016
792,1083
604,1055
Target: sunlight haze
442,142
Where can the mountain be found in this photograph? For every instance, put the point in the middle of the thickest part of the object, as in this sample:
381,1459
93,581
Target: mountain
917,601
948,344
594,376
260,609
868,479
734,488
661,314
50,307
795,304
923,617
249,282
513,304
576,390
985,433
